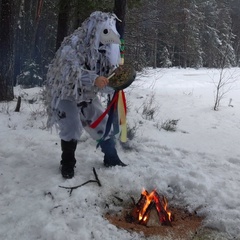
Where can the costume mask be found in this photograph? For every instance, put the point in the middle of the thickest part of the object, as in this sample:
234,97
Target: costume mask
107,35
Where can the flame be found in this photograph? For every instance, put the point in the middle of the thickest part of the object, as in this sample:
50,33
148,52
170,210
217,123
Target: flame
149,198
166,208
162,206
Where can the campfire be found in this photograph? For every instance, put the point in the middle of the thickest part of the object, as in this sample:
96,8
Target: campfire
150,212
148,205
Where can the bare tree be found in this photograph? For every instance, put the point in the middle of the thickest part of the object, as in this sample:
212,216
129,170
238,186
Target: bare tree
225,81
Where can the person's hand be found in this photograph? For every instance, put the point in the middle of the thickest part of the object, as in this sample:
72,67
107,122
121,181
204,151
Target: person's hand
101,82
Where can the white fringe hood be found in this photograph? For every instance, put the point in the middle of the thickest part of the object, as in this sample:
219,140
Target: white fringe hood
78,52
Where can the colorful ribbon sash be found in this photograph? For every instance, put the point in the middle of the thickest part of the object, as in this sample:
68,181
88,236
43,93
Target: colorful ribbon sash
116,110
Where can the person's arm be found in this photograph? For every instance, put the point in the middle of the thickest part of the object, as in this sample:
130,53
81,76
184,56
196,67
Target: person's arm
90,78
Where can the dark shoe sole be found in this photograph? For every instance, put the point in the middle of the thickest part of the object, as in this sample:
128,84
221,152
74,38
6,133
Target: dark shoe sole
67,173
114,165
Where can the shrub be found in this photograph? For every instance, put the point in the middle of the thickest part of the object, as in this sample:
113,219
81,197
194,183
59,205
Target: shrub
30,76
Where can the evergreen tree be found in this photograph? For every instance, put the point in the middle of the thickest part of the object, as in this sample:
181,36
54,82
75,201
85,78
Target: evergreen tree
209,34
226,54
165,58
194,47
235,16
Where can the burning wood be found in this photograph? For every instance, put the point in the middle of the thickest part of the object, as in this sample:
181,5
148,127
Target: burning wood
148,202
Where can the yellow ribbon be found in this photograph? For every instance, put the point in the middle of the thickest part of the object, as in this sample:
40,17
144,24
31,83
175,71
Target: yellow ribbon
122,116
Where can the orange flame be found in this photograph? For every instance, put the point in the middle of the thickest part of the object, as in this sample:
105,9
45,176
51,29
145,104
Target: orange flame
166,208
149,199
162,206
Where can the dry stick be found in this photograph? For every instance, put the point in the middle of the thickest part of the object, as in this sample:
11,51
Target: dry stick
133,200
118,198
96,177
89,181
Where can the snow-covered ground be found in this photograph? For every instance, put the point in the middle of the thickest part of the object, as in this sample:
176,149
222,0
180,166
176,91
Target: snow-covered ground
197,166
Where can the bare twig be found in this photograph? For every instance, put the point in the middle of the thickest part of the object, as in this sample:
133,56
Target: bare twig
133,200
118,198
96,177
89,181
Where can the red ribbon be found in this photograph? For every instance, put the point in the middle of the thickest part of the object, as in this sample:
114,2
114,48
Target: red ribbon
114,101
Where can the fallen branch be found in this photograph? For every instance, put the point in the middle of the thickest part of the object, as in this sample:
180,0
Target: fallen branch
89,181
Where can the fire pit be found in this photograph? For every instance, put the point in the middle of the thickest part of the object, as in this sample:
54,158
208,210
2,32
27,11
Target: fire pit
152,216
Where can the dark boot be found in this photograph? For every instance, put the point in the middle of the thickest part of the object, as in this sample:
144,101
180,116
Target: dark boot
68,158
110,154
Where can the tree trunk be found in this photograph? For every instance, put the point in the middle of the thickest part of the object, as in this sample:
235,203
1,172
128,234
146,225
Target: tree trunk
120,11
63,16
6,51
36,52
18,106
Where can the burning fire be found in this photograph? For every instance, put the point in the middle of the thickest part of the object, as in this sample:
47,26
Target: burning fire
146,203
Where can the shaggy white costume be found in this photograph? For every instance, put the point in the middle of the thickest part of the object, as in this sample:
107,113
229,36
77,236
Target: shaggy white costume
92,50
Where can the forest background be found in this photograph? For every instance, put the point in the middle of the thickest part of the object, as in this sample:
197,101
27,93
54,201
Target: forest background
158,33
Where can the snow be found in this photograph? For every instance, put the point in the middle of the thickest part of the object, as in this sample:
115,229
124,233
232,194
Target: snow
196,167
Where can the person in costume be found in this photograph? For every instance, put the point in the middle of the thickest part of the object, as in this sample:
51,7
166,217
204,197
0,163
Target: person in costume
76,75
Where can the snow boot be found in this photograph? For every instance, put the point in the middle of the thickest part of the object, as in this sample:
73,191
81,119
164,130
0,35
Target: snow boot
110,154
68,158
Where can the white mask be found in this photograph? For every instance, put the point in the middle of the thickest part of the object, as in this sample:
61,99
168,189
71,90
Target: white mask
107,35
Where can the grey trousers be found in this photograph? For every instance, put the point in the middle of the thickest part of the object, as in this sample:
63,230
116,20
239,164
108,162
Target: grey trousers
73,118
